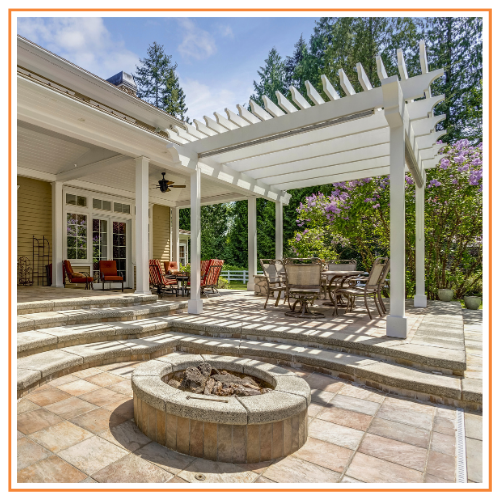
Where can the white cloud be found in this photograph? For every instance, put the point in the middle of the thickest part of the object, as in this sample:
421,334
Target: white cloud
84,41
196,43
202,100
225,30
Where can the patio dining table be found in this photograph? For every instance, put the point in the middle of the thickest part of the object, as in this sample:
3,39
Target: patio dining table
331,276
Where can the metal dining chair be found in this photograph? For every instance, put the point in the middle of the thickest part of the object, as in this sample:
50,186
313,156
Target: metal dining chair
303,283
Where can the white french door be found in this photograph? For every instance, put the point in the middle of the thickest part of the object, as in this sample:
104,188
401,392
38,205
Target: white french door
111,241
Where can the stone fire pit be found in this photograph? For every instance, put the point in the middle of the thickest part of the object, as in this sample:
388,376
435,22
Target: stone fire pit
237,429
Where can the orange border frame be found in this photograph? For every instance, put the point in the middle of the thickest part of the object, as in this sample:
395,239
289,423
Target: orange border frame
11,11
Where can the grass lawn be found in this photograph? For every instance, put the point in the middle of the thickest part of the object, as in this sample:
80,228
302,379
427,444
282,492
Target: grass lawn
237,285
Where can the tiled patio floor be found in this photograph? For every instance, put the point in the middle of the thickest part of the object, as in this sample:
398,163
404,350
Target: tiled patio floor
79,428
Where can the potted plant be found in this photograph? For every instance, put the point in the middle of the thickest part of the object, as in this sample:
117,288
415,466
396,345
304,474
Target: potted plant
445,294
473,301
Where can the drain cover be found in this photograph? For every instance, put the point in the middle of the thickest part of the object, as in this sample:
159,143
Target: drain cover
200,477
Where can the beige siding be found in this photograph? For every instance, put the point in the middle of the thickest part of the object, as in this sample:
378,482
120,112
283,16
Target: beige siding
161,232
34,214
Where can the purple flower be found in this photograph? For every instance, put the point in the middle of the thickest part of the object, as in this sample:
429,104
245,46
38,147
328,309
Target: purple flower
376,206
433,183
477,162
459,159
298,237
454,181
445,163
409,180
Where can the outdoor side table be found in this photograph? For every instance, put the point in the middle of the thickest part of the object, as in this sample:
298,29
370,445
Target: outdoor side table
182,280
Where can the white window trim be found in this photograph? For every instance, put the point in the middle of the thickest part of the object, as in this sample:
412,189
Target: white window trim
91,213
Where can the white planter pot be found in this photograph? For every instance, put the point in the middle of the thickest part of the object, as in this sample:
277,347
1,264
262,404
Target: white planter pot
472,302
445,294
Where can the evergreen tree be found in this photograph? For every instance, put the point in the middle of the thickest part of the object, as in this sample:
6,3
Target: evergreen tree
272,78
455,44
158,83
294,69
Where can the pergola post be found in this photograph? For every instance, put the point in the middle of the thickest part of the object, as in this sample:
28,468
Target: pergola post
420,299
279,230
58,233
252,242
195,304
174,253
394,109
141,225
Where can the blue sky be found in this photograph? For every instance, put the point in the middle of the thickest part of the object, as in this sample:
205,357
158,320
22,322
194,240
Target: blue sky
217,57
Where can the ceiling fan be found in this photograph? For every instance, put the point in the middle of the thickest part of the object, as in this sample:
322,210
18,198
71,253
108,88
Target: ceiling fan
164,185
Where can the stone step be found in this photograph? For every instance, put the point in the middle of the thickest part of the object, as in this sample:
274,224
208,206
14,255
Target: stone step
107,300
39,368
51,319
421,354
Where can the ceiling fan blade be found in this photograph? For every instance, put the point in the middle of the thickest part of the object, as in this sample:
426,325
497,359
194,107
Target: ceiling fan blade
178,186
170,183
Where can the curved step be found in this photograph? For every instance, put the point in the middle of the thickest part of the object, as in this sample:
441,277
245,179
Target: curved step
424,356
37,321
109,300
40,368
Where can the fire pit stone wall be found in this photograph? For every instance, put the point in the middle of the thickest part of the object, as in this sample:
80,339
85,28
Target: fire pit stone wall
228,429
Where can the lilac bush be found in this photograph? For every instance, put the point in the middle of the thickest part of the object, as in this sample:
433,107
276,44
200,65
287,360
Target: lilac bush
355,216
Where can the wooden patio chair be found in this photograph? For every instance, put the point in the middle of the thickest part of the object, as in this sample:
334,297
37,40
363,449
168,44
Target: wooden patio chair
70,276
275,280
372,288
158,280
109,274
303,283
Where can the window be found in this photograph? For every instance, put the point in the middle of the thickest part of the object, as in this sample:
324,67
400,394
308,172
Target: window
182,254
76,236
99,241
122,208
73,199
101,204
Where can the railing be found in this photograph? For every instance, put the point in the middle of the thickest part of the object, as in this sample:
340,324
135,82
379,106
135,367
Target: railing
237,275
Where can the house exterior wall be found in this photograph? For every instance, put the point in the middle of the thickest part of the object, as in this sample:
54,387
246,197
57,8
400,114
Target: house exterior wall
34,214
161,233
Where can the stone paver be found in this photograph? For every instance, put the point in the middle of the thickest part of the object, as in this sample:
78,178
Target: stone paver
474,460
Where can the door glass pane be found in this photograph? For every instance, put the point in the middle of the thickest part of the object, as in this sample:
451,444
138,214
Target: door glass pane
99,241
120,247
76,236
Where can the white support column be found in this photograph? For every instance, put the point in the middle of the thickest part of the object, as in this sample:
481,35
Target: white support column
58,233
279,230
396,321
141,225
394,108
175,235
420,299
195,304
252,242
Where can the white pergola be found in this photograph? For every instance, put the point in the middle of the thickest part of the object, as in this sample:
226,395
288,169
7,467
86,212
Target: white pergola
385,130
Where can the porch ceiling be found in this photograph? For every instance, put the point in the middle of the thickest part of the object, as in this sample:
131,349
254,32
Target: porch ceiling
45,154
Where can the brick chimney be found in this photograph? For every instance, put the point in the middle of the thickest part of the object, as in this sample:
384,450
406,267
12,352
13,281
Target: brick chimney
125,82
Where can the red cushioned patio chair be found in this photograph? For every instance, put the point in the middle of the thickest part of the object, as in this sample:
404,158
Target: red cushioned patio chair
69,276
158,280
109,273
210,278
171,267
